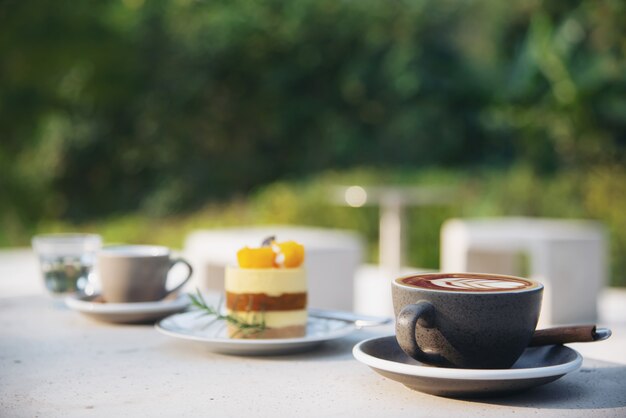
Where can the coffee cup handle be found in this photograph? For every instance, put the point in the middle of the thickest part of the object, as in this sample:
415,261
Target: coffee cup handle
181,284
410,317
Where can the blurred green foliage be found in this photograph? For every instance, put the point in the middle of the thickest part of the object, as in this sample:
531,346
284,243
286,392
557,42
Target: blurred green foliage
517,191
160,108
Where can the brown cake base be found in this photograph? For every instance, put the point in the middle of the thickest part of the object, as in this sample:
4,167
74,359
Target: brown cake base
293,331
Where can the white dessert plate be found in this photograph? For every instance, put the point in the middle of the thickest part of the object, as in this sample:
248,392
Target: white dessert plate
194,326
536,366
140,312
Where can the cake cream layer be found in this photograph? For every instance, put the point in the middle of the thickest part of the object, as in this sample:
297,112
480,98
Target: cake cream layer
263,302
274,319
272,282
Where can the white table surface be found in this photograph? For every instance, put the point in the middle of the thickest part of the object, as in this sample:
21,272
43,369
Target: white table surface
56,362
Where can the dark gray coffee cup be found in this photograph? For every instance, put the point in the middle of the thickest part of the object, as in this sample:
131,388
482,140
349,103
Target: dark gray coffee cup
481,329
137,273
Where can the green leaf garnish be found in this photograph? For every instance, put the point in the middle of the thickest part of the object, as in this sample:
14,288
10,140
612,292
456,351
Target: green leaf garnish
243,326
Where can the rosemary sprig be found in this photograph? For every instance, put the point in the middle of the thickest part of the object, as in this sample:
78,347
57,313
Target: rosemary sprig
243,326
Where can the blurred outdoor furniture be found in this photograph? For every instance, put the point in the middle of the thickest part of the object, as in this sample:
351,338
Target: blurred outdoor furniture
372,286
568,256
57,362
331,260
393,201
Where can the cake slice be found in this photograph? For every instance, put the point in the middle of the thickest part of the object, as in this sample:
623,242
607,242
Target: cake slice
269,287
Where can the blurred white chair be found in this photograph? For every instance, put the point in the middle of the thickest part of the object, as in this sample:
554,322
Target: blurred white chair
331,259
568,256
372,288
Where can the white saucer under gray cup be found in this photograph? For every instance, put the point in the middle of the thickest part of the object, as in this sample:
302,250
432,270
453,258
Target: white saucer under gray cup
138,273
466,320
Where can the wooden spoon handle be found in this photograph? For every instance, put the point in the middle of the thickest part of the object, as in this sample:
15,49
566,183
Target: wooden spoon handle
569,334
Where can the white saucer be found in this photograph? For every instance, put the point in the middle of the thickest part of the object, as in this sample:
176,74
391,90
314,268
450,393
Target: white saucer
197,327
139,312
536,366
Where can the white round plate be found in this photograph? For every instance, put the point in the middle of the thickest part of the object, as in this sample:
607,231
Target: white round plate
140,312
536,366
194,326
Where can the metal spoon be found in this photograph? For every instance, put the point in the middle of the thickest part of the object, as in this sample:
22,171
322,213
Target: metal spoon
359,321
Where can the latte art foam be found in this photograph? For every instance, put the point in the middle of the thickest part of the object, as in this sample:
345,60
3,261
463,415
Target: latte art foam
468,282
459,283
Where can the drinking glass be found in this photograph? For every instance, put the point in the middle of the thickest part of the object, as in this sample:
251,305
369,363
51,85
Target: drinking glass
67,262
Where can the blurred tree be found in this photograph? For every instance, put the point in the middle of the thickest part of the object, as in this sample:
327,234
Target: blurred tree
565,86
158,106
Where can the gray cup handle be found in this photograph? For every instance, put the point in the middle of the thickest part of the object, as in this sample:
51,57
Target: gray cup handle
420,314
173,262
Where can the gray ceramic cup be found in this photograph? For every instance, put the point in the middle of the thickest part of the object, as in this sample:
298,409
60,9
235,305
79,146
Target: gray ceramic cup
466,320
137,273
